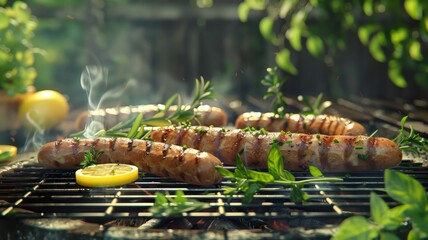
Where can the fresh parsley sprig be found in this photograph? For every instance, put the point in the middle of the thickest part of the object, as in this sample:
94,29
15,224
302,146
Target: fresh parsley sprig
91,157
383,220
274,83
316,107
410,142
166,206
249,181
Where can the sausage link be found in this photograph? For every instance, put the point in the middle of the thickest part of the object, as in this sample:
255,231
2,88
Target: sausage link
330,153
109,117
299,123
187,165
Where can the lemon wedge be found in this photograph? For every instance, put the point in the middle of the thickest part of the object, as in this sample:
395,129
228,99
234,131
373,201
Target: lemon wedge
7,152
106,175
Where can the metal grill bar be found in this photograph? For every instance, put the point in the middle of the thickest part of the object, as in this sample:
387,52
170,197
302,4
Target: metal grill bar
46,193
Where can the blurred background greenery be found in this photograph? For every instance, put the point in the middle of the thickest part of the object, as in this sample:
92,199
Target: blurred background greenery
369,48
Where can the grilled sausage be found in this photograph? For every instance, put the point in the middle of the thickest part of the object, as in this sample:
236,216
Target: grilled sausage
330,153
298,123
206,115
187,165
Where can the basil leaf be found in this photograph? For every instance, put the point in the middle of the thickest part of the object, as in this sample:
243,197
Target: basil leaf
286,175
275,162
356,227
315,172
298,196
240,170
249,193
160,199
378,208
179,198
224,172
229,190
405,189
394,217
260,176
276,165
419,219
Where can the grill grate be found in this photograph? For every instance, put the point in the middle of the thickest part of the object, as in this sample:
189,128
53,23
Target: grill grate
40,203
34,192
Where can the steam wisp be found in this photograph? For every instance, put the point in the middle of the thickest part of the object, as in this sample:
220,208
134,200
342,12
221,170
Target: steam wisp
91,81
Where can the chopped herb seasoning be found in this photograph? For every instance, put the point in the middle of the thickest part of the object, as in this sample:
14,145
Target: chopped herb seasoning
76,139
358,141
318,136
289,141
277,142
201,131
319,143
335,140
363,156
359,147
185,147
187,124
254,131
284,132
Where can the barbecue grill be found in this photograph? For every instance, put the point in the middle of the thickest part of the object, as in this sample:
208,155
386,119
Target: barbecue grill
37,202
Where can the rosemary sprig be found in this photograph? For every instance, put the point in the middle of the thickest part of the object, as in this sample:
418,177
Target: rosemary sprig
274,83
91,157
167,206
249,181
316,107
410,142
134,127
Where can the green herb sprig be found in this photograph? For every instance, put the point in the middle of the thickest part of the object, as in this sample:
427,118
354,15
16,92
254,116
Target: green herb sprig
410,142
316,107
134,127
384,220
166,206
274,83
249,181
91,157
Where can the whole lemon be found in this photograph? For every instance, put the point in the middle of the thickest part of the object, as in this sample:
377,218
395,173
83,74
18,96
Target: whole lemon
43,110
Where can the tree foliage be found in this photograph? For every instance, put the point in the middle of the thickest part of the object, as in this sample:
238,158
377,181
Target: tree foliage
394,31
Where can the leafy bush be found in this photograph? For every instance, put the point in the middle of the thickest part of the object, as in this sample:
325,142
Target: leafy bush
394,31
17,25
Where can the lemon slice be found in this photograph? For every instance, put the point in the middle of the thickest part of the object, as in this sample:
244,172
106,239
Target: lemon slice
7,152
106,175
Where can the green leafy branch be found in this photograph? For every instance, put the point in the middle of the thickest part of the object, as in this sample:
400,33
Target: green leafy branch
322,27
91,157
384,220
250,181
410,142
167,206
274,83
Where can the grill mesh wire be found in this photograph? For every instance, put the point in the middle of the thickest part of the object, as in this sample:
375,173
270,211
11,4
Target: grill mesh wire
34,192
